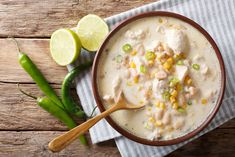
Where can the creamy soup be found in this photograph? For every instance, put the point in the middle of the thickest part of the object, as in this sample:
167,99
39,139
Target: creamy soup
165,64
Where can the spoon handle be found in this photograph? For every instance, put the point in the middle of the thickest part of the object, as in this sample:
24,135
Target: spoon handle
62,141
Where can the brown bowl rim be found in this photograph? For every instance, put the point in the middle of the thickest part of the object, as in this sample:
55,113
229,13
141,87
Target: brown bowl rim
131,136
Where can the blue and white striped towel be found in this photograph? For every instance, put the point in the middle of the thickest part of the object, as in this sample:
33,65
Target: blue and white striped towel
218,18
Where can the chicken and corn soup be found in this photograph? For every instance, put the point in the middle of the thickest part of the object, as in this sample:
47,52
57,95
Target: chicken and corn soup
165,64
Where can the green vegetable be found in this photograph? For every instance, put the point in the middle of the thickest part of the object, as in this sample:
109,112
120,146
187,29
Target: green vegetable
38,77
166,95
127,48
181,110
143,69
173,82
180,62
196,66
56,111
149,55
70,105
189,103
118,58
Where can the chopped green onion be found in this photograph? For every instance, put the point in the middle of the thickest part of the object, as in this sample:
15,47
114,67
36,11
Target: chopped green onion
181,110
166,95
127,48
173,82
118,58
149,55
189,103
180,62
196,66
143,69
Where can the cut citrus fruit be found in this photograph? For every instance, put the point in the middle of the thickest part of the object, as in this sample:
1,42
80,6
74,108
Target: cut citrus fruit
65,46
92,31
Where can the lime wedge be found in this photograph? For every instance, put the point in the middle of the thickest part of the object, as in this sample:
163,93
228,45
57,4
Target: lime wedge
65,46
92,31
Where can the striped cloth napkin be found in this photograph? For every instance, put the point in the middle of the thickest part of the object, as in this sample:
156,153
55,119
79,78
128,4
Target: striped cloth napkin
217,17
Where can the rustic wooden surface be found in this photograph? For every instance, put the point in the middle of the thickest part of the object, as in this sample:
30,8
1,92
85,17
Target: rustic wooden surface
25,129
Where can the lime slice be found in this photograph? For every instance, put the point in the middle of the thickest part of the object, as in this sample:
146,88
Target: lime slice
92,31
65,46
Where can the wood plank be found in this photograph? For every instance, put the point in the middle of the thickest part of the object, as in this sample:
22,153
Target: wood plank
29,18
214,144
19,112
38,51
33,143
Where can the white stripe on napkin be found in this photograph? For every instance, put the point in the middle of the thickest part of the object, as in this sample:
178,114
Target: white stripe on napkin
217,17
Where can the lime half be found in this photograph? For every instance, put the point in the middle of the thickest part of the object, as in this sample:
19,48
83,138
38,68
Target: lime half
65,46
92,31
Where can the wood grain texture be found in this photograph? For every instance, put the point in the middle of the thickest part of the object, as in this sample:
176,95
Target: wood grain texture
25,129
34,144
38,51
29,18
19,112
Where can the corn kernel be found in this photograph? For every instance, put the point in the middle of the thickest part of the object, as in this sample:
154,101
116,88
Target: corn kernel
167,66
178,87
162,105
136,79
172,99
129,83
149,109
133,53
150,63
157,104
151,119
174,93
158,124
175,105
189,82
132,65
204,101
170,60
141,102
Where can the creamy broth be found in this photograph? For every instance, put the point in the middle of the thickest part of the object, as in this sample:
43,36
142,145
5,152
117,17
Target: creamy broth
166,64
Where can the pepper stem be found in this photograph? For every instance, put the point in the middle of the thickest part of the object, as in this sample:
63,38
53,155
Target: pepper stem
16,43
93,111
27,94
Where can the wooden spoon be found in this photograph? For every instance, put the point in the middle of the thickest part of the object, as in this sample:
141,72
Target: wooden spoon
62,141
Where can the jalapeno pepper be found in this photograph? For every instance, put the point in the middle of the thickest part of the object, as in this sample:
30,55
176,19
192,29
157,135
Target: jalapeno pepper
38,77
67,100
56,111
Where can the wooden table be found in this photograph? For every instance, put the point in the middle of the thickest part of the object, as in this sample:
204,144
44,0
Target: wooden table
26,129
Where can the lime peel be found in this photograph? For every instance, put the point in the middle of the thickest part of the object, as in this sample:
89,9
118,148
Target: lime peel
65,46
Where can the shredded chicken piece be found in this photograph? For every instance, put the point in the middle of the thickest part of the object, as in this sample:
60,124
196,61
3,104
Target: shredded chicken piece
176,40
181,72
161,74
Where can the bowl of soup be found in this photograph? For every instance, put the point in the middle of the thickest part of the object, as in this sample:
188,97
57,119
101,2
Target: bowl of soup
168,63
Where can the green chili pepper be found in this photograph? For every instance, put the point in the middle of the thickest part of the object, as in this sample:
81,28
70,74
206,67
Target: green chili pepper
166,95
127,48
143,69
196,66
38,77
149,55
118,58
70,105
181,110
180,62
56,111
